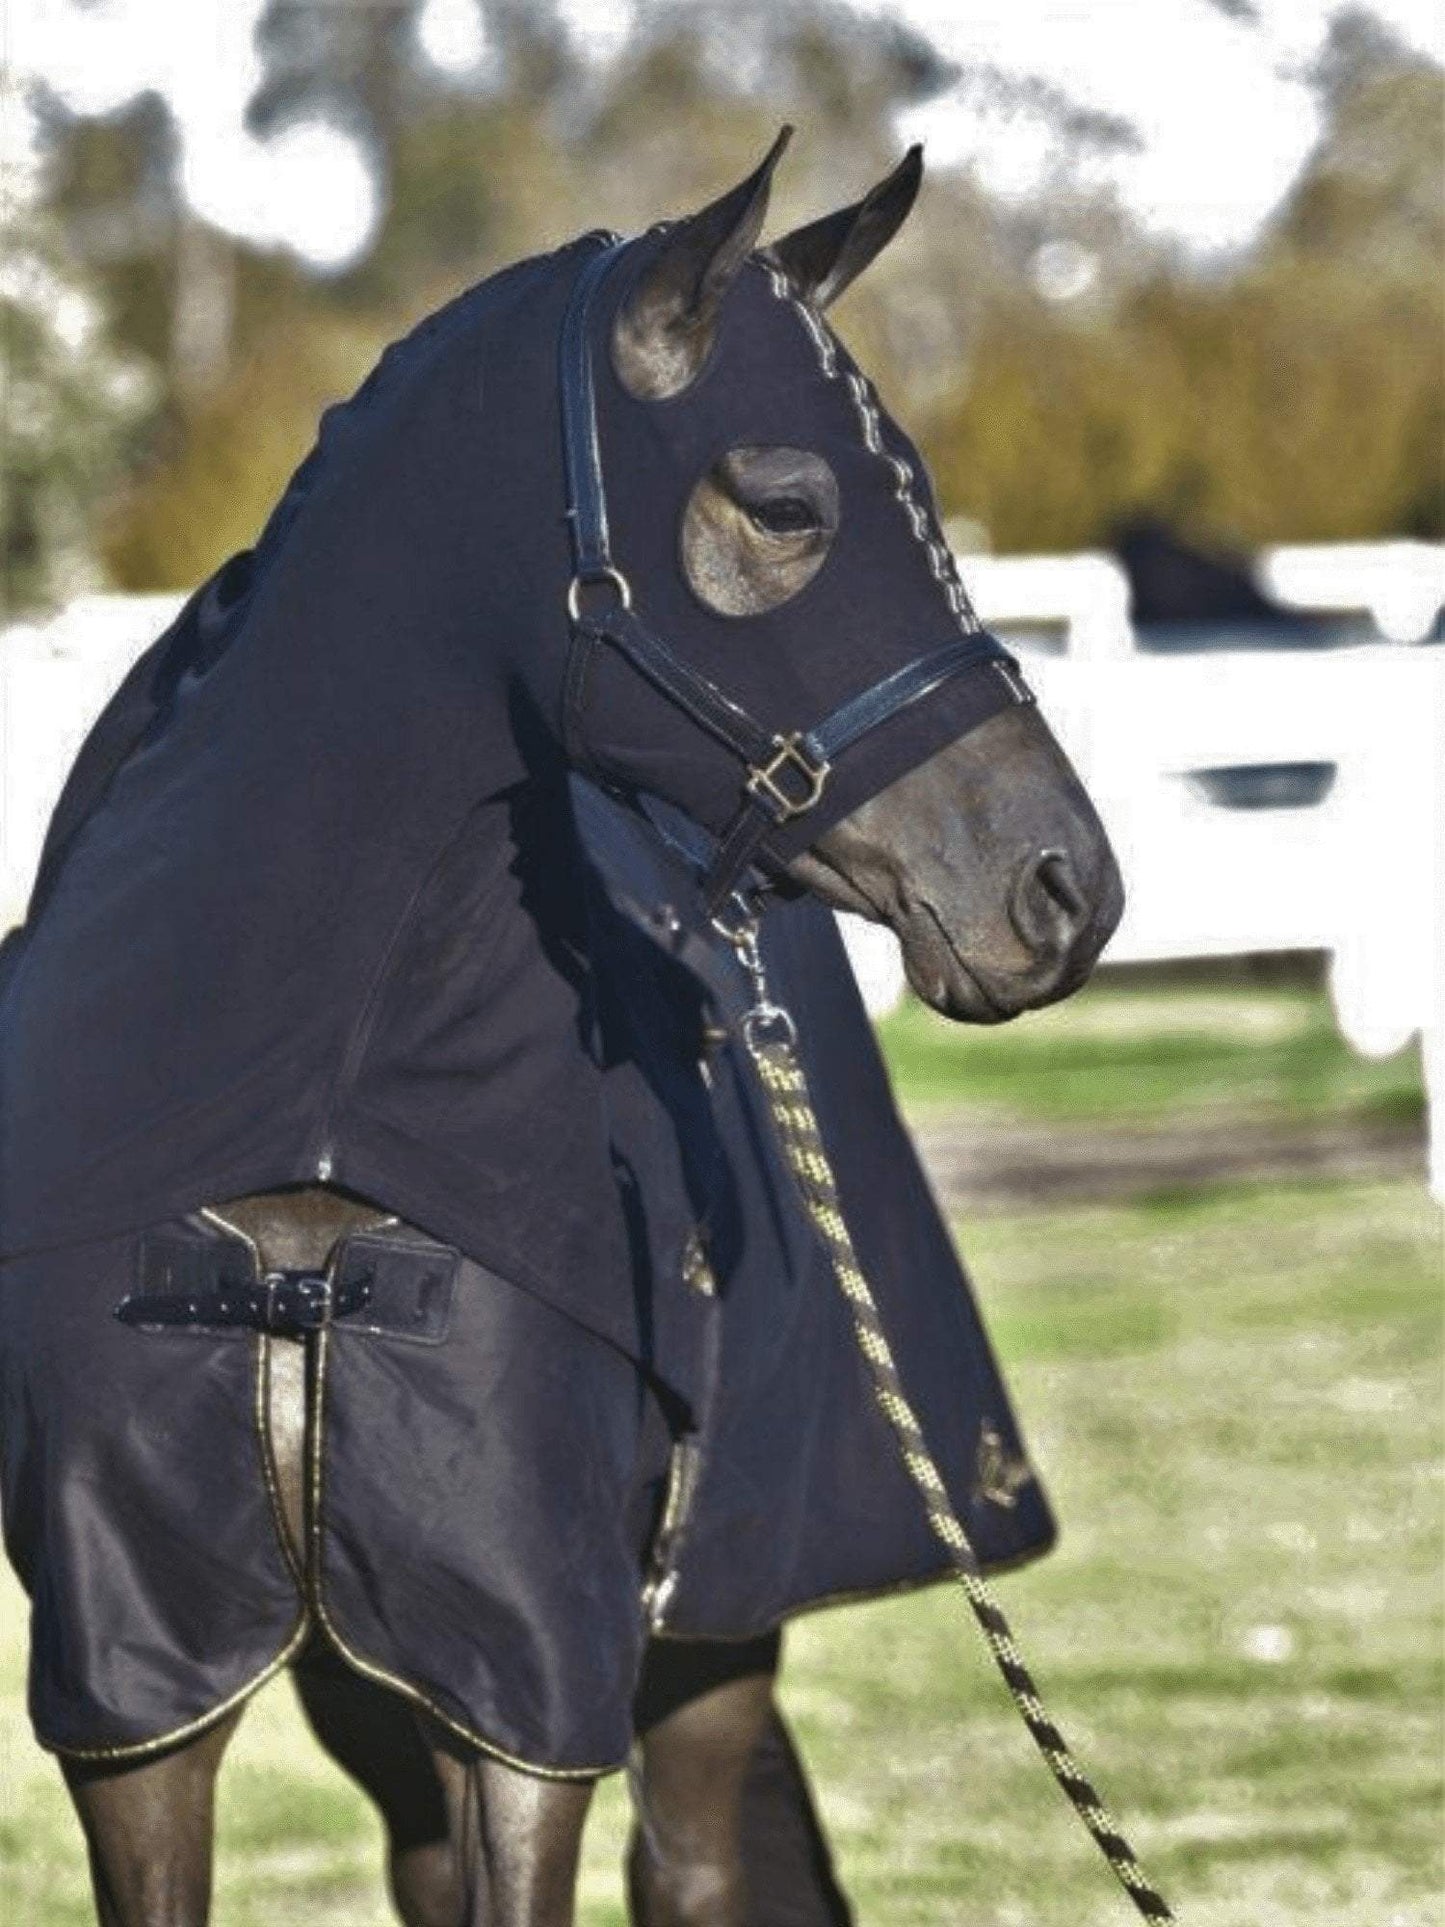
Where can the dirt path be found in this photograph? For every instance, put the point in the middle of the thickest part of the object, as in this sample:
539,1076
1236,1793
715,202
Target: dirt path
979,1161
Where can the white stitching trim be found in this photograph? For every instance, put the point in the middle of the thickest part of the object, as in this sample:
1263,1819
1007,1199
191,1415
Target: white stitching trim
941,563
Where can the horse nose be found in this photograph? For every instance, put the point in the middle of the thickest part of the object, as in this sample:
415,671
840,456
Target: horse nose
1048,906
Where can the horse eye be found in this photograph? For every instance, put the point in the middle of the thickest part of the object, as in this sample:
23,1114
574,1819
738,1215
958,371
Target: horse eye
784,515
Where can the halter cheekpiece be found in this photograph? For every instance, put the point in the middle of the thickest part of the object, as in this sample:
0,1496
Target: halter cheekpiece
785,773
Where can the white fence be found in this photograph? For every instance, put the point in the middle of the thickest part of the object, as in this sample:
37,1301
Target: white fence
1265,800
1259,800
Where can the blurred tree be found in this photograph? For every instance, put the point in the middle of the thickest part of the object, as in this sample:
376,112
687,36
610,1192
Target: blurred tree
168,278
218,466
112,187
70,401
480,167
1372,199
1299,398
1066,373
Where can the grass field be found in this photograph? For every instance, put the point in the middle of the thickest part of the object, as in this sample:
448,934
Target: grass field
1155,1048
1235,1398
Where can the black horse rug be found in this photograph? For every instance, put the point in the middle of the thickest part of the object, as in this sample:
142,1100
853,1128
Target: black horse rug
315,907
139,1484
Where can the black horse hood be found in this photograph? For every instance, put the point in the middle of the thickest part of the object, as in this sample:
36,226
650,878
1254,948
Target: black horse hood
886,593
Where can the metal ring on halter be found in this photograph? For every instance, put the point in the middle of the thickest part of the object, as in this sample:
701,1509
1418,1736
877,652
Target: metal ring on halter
773,1016
607,573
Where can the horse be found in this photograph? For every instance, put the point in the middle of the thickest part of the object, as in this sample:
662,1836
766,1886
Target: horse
313,1119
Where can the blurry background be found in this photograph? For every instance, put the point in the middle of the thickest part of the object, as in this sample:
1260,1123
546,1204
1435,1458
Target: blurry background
1169,324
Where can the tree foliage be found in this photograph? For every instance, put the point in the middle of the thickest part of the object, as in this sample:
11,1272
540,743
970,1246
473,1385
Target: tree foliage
1295,393
70,403
1299,398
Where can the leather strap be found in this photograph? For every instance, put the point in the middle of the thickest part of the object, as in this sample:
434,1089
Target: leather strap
586,494
691,691
283,1303
879,704
391,1281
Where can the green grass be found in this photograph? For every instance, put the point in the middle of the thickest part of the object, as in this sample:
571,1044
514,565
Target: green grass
1154,1052
1236,1403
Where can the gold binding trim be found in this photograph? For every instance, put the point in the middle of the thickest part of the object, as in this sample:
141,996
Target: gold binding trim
368,1668
309,1581
138,1749
175,1736
213,1216
859,1596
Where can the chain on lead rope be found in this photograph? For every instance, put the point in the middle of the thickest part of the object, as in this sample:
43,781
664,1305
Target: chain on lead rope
770,1035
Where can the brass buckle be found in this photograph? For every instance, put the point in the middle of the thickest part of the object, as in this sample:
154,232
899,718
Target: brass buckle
789,754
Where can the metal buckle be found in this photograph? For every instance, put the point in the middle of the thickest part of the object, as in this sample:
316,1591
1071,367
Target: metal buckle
297,1301
789,753
605,574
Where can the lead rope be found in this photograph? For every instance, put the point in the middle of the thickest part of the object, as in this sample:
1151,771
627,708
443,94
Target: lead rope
771,1039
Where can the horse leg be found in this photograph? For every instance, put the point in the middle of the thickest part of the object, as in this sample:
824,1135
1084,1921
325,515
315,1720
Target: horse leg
512,1841
723,1800
376,1738
786,1859
149,1830
470,1842
519,1839
685,1864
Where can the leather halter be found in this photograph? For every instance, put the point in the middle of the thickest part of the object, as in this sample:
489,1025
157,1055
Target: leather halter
784,774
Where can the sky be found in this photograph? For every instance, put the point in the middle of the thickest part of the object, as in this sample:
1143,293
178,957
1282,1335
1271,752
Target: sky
1224,116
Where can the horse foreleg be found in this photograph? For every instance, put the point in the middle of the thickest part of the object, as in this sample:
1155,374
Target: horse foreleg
471,1842
375,1737
522,1842
786,1857
685,1866
149,1829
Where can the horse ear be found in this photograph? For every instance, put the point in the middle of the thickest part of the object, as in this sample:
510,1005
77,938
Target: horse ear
822,259
665,327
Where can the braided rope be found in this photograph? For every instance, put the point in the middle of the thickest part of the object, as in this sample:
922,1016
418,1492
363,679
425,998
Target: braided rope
782,1078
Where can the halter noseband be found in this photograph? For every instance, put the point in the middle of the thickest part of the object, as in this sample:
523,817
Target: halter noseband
785,775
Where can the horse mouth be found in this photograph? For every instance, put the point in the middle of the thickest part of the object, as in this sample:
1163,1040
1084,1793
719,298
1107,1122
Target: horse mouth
943,978
957,988
937,969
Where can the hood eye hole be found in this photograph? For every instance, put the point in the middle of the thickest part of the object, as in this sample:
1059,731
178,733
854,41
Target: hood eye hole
757,527
784,515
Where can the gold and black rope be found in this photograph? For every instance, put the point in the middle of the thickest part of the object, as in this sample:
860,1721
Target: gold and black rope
782,1078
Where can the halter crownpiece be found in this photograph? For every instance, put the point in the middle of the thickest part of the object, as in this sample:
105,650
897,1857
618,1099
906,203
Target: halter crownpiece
785,773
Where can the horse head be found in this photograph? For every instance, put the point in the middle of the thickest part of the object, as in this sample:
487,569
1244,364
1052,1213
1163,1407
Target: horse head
777,533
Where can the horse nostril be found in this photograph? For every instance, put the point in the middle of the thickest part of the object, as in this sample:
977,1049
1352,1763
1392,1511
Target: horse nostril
1048,905
1055,874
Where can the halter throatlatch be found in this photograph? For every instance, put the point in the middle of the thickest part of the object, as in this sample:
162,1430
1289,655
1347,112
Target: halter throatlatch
771,1040
785,773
